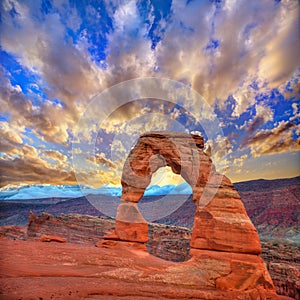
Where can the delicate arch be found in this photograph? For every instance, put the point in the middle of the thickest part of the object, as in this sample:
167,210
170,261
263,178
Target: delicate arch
217,226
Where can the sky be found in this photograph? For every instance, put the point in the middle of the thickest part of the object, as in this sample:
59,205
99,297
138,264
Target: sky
64,64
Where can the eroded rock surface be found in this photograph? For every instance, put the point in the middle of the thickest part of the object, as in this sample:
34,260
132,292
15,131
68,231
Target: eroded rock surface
171,243
224,243
223,264
220,222
120,270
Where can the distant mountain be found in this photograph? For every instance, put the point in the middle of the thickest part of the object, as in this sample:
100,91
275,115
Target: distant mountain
42,191
263,184
272,205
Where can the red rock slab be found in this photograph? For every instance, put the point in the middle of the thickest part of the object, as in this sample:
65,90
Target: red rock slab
52,238
224,230
130,224
246,271
34,270
132,232
13,232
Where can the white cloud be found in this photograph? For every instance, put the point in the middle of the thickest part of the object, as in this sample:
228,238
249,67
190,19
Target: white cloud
262,116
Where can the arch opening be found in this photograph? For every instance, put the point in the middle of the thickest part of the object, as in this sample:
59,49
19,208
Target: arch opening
169,237
163,204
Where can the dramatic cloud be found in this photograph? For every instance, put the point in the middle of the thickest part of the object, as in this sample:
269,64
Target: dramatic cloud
263,115
241,56
56,155
101,159
238,162
30,168
276,140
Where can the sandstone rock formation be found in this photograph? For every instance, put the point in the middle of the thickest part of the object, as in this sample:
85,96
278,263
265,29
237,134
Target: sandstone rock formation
118,270
220,223
168,242
223,262
130,224
224,239
73,228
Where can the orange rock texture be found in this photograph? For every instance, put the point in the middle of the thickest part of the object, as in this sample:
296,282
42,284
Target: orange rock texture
223,261
52,238
224,244
220,223
124,270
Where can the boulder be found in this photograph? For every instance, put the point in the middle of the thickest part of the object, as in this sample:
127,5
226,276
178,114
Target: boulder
52,238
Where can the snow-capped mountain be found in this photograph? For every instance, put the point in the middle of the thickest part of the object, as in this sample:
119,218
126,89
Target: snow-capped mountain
41,191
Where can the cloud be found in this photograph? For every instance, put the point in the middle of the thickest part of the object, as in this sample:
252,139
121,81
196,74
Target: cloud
296,113
218,48
65,69
47,121
262,116
11,137
224,47
281,56
219,52
56,155
239,161
219,150
101,159
30,168
295,108
12,145
129,53
27,165
273,141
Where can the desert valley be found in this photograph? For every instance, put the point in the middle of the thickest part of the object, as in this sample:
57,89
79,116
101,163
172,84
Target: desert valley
74,227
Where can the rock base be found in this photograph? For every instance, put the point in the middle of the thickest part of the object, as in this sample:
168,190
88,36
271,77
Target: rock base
130,224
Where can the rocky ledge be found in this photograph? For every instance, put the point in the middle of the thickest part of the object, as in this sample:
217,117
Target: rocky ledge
69,264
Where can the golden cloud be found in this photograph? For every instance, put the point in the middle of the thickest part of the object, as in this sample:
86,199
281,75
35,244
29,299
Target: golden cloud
101,159
273,141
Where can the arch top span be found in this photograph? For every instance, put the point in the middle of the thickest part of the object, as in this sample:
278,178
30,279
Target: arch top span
180,151
179,135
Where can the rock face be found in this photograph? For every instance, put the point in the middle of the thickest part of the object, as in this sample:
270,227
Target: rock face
283,263
73,228
220,223
224,242
130,224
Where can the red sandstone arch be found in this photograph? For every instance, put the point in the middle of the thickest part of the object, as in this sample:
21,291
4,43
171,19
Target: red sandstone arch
222,224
